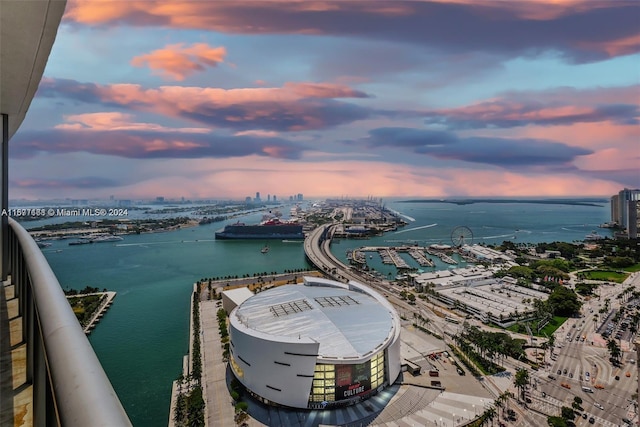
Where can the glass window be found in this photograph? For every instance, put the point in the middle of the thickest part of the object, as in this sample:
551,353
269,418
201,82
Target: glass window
236,367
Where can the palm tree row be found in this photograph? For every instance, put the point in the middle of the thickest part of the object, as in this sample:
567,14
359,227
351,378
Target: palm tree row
491,344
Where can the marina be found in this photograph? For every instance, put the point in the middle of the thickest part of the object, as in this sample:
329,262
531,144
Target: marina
391,256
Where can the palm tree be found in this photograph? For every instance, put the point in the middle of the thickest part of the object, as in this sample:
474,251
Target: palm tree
614,349
521,380
490,414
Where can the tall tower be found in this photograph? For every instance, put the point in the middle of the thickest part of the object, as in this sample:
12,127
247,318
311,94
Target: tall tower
615,209
632,228
624,198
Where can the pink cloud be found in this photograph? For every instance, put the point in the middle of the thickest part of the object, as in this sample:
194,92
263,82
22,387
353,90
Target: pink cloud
263,133
294,106
114,121
178,61
619,47
560,106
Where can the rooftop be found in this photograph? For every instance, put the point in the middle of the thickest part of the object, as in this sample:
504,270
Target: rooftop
346,323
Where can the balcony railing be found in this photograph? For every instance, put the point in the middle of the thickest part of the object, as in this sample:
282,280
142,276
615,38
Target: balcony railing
68,385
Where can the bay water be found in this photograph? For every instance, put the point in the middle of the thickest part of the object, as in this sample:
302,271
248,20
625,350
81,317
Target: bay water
144,335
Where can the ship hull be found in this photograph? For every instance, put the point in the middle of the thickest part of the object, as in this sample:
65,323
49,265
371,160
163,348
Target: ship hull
256,232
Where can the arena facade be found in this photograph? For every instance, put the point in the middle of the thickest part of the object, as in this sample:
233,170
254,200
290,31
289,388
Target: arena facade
315,345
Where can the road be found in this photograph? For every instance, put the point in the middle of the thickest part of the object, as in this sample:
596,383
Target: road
573,355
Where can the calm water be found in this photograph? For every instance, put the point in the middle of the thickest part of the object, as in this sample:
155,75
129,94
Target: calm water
143,337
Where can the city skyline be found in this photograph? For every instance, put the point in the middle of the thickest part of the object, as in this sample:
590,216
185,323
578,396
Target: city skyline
433,99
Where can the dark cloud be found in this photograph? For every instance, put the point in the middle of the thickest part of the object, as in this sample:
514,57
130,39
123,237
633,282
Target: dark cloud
507,114
146,144
503,152
86,183
586,31
293,107
628,178
298,115
409,137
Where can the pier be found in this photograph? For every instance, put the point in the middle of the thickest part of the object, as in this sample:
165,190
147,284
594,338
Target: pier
105,303
390,255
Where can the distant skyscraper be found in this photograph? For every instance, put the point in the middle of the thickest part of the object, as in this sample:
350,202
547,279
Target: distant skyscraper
257,199
268,197
632,228
274,198
624,198
299,197
615,208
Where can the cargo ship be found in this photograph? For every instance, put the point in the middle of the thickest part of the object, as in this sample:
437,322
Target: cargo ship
271,229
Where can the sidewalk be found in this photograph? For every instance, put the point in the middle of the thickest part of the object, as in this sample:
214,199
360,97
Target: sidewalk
220,409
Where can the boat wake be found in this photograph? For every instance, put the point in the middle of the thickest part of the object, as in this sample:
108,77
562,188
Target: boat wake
497,236
145,244
415,228
402,215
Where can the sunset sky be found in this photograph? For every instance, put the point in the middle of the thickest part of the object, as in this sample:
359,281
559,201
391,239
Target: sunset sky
202,99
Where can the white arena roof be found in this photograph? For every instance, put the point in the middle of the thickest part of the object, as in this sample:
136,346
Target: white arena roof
347,324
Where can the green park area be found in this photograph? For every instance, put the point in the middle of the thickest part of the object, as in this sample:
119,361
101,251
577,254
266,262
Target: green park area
552,326
545,331
617,276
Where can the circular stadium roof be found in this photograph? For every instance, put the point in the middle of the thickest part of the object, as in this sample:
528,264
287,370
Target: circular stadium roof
348,324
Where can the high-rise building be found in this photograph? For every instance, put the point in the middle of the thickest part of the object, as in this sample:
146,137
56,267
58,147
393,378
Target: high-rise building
632,228
615,209
257,199
626,198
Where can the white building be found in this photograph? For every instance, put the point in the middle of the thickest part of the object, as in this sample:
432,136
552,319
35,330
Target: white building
317,344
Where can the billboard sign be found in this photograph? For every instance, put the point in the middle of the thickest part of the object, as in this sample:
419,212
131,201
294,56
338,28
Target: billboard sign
352,380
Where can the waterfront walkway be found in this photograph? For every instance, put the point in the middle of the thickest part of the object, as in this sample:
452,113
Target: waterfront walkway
220,407
97,315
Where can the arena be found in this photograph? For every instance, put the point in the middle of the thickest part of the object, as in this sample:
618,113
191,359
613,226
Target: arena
318,344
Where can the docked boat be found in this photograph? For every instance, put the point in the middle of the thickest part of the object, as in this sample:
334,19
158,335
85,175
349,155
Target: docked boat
83,241
594,236
107,238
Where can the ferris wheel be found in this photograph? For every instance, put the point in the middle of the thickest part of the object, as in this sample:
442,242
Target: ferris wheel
461,235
